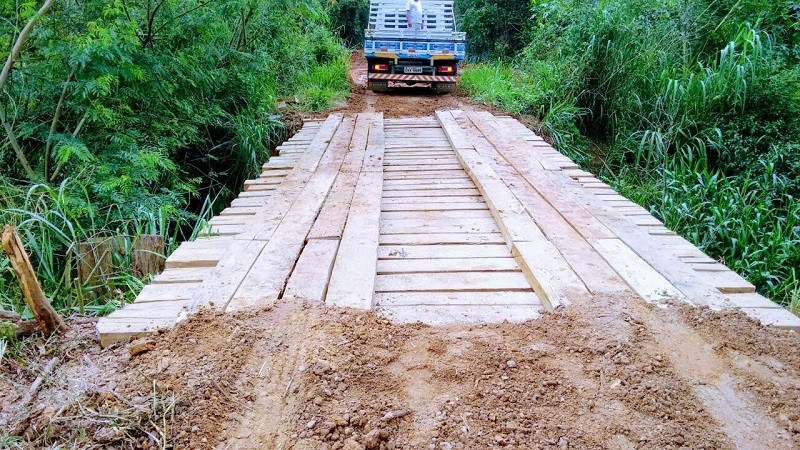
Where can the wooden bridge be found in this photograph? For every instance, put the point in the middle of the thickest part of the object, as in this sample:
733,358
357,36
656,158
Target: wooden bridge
461,217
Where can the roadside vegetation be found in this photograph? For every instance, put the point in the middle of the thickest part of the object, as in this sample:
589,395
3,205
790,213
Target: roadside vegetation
690,108
138,117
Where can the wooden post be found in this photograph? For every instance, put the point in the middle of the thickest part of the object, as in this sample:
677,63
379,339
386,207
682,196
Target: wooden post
95,259
47,317
148,255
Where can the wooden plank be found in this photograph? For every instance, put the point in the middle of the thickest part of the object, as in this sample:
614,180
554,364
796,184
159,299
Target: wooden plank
645,221
421,167
411,161
441,238
440,251
461,225
332,217
239,211
778,318
439,192
750,300
729,282
447,265
547,271
431,186
227,276
400,184
165,292
179,276
430,215
590,267
457,298
186,256
642,278
421,199
174,309
309,279
353,278
452,282
113,330
543,181
704,267
257,202
267,278
444,315
460,206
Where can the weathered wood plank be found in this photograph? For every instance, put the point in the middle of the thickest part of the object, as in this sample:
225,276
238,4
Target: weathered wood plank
461,225
267,278
443,315
309,279
452,282
442,238
643,279
353,278
460,206
227,276
447,265
458,298
422,251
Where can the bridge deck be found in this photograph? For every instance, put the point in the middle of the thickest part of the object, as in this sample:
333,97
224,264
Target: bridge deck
461,217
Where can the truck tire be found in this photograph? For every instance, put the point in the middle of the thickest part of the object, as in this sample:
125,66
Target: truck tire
378,86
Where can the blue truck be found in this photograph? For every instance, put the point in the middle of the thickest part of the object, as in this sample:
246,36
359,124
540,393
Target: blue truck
397,54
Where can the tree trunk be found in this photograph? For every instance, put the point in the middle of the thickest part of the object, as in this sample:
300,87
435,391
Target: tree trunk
47,317
148,255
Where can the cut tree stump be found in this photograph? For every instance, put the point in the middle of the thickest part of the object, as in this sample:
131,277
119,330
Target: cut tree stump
148,255
47,317
95,259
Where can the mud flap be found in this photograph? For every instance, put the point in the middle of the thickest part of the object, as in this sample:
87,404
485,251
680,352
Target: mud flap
378,86
443,88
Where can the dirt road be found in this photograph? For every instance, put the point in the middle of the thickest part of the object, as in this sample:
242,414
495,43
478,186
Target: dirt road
614,373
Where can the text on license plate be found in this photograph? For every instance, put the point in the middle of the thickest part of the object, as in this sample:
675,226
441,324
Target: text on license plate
412,69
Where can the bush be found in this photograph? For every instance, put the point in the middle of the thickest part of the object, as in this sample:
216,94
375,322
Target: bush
134,118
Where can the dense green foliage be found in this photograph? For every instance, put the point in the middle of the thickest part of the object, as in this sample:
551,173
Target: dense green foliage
350,18
691,107
495,28
132,116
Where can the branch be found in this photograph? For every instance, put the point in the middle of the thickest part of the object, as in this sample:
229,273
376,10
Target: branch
15,145
53,126
23,36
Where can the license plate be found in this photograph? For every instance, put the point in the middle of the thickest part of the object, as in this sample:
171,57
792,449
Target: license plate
412,70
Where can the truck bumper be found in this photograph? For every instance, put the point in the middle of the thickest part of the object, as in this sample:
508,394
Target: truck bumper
415,78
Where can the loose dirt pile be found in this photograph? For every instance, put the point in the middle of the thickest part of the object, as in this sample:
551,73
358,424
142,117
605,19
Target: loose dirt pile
615,374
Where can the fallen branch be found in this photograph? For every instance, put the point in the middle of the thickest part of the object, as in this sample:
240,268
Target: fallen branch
37,384
47,317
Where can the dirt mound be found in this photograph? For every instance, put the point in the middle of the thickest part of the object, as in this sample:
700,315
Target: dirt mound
176,387
615,373
538,385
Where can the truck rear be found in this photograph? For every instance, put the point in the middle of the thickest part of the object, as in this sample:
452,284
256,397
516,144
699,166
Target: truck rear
398,54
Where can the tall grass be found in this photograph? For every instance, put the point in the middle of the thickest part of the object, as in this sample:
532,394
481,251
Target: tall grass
52,221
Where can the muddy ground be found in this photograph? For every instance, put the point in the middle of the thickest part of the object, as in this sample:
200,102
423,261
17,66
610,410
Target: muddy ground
614,373
611,374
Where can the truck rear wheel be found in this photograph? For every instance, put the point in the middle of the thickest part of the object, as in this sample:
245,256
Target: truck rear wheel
378,86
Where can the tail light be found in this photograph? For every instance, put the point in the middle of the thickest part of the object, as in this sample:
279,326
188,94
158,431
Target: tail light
446,69
380,67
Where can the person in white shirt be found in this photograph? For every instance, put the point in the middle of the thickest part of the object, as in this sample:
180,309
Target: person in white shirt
414,14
